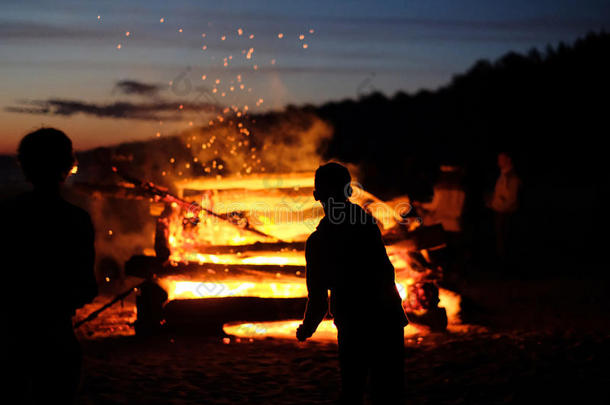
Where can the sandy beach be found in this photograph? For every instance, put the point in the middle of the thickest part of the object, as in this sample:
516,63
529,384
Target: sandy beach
519,356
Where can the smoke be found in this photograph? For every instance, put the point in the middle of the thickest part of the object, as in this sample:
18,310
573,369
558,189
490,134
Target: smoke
271,143
279,142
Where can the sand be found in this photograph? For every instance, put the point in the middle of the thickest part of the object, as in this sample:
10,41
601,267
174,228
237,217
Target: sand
507,361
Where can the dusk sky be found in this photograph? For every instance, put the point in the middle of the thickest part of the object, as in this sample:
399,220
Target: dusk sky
112,71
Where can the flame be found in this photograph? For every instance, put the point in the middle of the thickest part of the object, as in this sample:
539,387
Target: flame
283,208
178,289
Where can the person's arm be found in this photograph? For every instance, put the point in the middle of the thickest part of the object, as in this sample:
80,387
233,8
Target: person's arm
317,291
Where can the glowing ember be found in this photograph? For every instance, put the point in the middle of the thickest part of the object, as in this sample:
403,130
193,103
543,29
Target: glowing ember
326,332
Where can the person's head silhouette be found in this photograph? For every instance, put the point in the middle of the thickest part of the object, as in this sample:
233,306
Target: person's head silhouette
505,161
46,158
332,183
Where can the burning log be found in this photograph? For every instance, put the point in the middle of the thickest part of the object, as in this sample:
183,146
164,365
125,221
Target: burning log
110,190
148,267
255,247
163,195
209,314
97,312
423,237
422,306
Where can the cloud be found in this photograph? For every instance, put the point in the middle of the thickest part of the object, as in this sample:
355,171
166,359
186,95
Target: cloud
130,87
31,30
159,110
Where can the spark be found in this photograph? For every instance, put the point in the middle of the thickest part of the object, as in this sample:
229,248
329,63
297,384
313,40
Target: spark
203,77
305,46
203,35
161,20
180,30
301,37
280,35
127,33
240,31
251,36
223,37
204,47
119,46
311,31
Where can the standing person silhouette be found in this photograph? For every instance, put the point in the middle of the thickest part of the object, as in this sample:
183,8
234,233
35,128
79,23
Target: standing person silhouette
48,255
346,255
505,204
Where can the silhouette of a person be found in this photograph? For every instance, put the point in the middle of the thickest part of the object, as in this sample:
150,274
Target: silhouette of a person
346,255
48,255
505,203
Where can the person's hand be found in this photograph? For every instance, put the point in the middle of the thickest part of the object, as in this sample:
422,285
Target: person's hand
302,334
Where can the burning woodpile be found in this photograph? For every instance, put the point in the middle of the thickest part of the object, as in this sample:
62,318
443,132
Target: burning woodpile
230,253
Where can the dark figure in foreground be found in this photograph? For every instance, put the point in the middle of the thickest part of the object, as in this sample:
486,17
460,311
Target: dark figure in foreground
48,255
346,255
